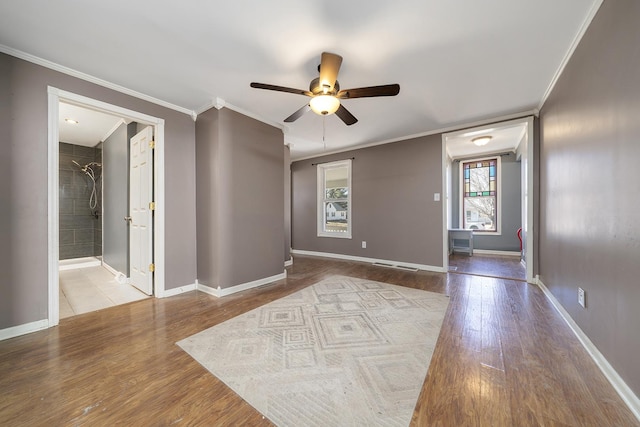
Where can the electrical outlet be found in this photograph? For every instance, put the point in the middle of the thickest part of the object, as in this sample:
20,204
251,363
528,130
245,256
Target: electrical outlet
364,245
581,297
436,197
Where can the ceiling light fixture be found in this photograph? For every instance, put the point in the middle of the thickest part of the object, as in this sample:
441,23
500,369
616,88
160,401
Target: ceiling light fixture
324,104
477,132
481,140
71,121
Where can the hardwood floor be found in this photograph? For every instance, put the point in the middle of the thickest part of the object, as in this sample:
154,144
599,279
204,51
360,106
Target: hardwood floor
504,358
505,267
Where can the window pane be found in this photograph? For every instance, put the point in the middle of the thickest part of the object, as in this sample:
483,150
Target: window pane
336,179
336,216
479,179
334,199
480,213
336,193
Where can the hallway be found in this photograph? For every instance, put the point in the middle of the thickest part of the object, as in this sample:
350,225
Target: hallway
503,267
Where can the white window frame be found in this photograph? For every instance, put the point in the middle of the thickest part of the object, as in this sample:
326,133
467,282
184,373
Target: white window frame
498,231
321,171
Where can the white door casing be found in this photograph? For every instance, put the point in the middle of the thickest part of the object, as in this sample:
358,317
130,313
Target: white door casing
54,97
140,213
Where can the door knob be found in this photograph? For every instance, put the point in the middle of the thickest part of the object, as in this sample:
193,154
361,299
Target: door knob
128,219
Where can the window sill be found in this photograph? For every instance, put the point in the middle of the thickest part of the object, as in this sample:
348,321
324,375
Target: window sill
486,233
336,235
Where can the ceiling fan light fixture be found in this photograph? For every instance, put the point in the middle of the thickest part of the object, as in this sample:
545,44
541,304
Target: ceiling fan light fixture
324,104
481,140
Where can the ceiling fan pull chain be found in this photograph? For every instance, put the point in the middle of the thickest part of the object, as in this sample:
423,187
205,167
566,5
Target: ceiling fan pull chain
324,142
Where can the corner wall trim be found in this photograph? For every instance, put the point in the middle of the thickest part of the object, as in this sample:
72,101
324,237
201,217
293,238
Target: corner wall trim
179,290
289,262
616,381
369,260
16,331
221,292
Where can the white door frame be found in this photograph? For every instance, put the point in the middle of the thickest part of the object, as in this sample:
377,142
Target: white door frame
529,248
55,96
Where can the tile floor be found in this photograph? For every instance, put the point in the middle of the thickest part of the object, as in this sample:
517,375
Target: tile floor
92,288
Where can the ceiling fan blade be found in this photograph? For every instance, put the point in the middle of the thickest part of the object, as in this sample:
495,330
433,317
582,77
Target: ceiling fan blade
281,89
329,67
346,116
371,91
295,116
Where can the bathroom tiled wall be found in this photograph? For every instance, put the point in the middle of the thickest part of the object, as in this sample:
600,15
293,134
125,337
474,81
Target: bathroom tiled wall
80,226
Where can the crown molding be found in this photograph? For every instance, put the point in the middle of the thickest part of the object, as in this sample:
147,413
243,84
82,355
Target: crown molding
219,103
504,118
89,78
574,44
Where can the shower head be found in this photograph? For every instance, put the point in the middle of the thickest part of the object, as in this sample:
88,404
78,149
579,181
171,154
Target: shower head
77,164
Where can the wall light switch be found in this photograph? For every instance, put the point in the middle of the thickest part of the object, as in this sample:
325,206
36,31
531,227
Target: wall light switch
436,197
581,297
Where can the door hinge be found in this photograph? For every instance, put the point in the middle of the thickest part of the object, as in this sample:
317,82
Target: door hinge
152,144
152,267
152,206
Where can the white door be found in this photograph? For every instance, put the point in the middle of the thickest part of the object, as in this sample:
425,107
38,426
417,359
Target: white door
141,223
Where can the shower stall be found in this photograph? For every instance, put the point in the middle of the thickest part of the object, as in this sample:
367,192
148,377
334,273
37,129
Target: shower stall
80,189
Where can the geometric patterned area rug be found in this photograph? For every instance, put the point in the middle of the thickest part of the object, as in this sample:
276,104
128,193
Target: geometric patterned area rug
343,352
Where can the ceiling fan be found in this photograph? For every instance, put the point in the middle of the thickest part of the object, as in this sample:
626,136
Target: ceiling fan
325,92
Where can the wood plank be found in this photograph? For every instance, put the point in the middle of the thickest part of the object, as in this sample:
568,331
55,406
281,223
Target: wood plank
504,357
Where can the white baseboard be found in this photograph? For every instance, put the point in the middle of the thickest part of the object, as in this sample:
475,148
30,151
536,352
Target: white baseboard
221,292
27,328
109,268
616,381
179,290
289,262
399,264
492,252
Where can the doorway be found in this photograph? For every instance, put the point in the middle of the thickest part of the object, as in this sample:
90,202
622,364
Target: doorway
155,250
501,214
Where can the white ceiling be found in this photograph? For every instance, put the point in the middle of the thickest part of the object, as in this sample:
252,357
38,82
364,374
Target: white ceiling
457,62
504,138
92,128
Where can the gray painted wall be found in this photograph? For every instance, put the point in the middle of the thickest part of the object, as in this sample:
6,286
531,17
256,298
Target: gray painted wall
23,186
115,154
287,203
510,210
589,186
240,199
208,204
392,196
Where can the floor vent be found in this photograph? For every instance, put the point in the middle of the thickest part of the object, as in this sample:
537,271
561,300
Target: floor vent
399,267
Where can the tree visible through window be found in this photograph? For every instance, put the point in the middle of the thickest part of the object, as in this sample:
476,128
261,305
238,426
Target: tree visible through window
480,194
334,199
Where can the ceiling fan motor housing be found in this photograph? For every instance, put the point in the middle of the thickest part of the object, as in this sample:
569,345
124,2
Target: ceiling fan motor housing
316,88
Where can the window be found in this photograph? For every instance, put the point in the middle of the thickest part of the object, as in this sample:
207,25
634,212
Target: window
334,199
481,195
